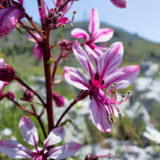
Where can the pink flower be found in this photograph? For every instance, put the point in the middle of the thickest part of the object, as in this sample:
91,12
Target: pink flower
59,100
96,34
9,18
29,132
37,50
104,82
120,3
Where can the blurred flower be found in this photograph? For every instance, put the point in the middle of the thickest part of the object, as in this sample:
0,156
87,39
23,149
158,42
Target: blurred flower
152,134
9,18
120,3
96,34
59,100
103,84
37,50
29,132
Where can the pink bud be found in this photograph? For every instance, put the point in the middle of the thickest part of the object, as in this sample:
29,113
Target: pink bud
38,53
7,74
120,3
59,100
9,17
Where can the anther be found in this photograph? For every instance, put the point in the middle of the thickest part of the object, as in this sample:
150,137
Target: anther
128,92
123,95
114,119
115,83
55,9
59,14
109,119
120,115
74,12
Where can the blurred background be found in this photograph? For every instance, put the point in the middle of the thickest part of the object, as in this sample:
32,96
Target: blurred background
137,135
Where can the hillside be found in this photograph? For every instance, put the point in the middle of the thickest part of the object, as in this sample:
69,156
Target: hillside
137,49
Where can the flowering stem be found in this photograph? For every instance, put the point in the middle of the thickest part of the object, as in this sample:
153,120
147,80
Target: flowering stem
80,96
29,88
48,80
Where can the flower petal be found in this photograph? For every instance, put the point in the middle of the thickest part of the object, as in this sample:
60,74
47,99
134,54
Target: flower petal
28,131
63,151
14,150
103,35
110,60
21,2
54,137
93,26
80,34
91,53
123,77
83,58
75,77
98,115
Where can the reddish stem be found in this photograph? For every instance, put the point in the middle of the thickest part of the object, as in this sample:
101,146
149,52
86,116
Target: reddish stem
48,80
81,95
39,120
23,108
29,88
34,25
56,65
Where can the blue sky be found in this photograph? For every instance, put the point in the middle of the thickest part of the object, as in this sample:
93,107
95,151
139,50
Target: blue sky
141,16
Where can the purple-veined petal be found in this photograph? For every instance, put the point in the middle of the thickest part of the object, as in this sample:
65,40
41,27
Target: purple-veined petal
80,34
28,131
2,63
54,137
64,151
38,52
123,77
99,116
83,58
110,60
91,53
14,150
75,77
93,26
120,3
103,35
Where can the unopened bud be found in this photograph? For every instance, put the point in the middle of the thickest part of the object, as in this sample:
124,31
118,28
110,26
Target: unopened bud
7,74
59,100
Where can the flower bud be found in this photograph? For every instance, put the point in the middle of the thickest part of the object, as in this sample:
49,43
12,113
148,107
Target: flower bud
7,74
59,100
120,3
9,17
38,53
